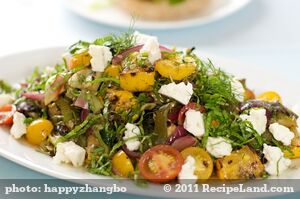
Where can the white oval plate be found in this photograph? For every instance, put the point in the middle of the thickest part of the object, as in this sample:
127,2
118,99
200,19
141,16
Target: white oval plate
18,66
111,15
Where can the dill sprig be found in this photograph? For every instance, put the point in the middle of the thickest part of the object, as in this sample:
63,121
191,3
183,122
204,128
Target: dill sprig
213,89
213,85
116,43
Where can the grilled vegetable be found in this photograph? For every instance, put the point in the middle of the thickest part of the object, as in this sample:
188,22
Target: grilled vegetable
240,164
175,70
270,96
113,71
122,100
137,80
79,60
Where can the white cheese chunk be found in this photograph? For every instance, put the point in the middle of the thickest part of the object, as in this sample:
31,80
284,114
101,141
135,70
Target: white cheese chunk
186,175
218,147
69,152
18,128
180,92
101,57
194,123
281,133
141,38
238,89
258,119
277,163
6,99
151,46
131,137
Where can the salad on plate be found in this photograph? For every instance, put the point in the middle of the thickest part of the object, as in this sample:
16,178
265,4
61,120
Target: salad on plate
128,107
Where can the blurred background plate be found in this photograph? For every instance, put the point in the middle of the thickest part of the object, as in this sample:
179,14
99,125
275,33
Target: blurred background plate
104,12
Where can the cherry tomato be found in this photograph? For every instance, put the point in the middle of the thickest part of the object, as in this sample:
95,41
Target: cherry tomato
6,114
192,105
270,96
122,165
38,131
161,163
204,164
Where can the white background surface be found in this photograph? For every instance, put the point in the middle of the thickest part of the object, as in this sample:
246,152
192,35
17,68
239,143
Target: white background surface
265,33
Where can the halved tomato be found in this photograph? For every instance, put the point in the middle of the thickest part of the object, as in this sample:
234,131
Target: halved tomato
6,114
161,163
183,110
204,164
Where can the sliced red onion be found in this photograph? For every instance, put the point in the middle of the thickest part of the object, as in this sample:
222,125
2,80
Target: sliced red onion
184,142
81,103
120,57
179,132
84,113
24,85
165,49
39,96
173,115
131,154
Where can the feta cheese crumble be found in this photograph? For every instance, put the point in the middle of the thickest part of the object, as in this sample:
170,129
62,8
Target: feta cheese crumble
131,140
101,57
69,152
18,128
281,133
187,171
180,92
258,119
238,89
194,123
6,99
277,163
151,46
218,147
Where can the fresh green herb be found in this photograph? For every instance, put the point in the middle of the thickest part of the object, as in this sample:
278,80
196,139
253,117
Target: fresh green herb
28,121
174,2
81,128
5,87
116,43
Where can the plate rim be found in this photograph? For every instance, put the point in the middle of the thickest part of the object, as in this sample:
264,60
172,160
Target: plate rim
166,25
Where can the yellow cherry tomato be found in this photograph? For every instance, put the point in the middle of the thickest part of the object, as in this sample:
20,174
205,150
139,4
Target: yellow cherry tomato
38,131
204,164
270,96
122,165
295,152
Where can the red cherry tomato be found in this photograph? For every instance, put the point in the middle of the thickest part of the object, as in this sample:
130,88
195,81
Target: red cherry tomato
192,105
6,114
161,163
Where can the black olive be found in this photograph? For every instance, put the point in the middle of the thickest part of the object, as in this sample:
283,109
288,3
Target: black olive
27,107
62,129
